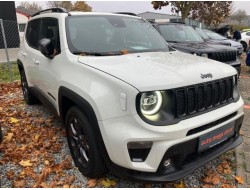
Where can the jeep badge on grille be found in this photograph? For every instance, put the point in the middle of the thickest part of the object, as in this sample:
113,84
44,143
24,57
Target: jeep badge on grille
204,76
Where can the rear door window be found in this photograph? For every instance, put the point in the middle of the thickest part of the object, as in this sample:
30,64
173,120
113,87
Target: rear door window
33,33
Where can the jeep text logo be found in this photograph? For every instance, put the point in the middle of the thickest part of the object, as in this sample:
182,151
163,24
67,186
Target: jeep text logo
204,76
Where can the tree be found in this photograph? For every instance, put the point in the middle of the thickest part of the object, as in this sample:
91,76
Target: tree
69,6
159,4
63,4
239,15
185,7
31,5
211,12
81,6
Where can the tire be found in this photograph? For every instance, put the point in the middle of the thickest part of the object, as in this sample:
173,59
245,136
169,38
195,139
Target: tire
82,143
244,44
29,98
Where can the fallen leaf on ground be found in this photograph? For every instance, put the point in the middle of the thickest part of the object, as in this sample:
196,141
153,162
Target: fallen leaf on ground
46,162
44,185
8,137
227,186
10,175
215,179
180,185
108,182
43,176
37,137
13,120
91,183
19,184
25,163
239,179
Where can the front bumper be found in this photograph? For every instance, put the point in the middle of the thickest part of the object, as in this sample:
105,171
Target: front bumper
173,141
181,166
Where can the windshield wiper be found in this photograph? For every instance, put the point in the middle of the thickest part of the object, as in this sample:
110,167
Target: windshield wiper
173,41
96,53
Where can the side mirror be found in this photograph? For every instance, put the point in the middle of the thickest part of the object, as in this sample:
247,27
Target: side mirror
46,48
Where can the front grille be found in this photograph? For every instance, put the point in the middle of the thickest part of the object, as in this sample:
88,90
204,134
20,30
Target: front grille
202,97
223,56
210,125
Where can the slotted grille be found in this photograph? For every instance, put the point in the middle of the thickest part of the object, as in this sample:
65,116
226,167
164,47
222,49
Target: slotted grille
202,97
223,56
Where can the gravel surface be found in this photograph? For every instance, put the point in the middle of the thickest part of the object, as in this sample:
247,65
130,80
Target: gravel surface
38,118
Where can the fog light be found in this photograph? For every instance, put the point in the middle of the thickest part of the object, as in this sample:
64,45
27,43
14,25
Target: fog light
167,163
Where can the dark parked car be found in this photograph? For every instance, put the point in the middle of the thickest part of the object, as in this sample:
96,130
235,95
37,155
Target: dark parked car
184,38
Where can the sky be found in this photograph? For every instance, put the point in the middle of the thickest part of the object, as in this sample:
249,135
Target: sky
140,6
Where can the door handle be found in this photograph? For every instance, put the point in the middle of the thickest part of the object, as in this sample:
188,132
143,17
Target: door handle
36,61
23,53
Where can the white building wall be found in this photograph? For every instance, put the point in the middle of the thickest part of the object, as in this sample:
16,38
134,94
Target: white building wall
21,18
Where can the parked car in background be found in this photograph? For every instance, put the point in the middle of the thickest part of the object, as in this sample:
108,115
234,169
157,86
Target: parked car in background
206,38
245,40
184,38
217,38
245,35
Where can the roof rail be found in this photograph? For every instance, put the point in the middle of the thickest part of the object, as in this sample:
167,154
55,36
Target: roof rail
51,10
127,13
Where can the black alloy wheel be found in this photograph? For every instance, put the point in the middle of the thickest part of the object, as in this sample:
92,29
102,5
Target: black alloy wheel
83,144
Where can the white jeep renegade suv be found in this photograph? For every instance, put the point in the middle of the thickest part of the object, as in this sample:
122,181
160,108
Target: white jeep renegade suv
129,102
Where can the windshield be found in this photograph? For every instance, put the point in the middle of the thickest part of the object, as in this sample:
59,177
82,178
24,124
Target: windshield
214,35
179,33
112,34
202,33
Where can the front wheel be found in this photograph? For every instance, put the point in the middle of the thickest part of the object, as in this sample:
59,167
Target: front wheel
83,144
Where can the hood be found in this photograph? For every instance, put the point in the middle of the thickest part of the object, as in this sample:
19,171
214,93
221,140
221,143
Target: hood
159,70
233,43
202,47
221,42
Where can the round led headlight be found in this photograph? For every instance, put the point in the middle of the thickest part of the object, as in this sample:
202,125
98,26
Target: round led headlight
151,102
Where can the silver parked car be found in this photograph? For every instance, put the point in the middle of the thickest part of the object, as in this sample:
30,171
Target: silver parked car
215,36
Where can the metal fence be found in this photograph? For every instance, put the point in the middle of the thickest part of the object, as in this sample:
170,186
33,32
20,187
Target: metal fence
9,44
